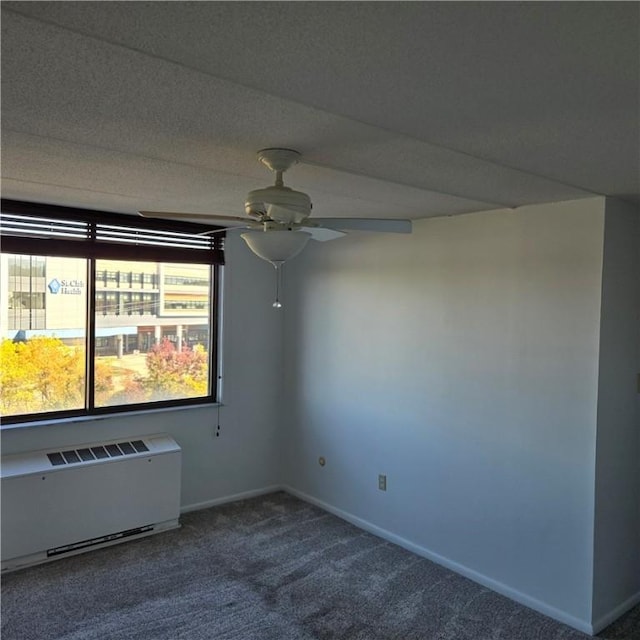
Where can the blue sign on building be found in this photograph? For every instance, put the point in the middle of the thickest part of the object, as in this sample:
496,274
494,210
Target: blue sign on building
54,286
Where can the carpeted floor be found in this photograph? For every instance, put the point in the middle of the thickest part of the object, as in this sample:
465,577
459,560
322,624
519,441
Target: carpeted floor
271,568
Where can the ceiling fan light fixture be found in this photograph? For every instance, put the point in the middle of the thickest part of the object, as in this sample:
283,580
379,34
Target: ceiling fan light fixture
276,246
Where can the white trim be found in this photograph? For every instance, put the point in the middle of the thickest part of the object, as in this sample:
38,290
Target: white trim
615,613
245,495
503,589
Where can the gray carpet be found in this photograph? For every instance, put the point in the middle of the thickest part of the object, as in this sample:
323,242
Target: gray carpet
269,568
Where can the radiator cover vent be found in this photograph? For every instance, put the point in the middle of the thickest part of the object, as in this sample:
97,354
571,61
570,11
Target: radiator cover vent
96,452
112,537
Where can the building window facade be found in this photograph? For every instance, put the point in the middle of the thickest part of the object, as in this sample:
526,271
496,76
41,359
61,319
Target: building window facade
26,289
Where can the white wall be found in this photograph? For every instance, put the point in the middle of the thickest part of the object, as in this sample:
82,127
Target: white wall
617,513
244,457
461,361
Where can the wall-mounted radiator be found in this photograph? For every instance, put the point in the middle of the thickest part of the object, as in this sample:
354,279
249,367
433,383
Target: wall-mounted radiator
62,502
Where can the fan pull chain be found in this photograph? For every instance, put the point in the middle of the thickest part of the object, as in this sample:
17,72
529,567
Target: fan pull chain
278,266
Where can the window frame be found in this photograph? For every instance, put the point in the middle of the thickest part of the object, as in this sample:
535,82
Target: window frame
209,251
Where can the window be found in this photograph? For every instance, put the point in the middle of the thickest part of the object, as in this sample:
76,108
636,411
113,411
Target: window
85,328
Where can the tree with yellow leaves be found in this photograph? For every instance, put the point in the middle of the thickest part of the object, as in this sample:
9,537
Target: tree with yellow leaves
41,374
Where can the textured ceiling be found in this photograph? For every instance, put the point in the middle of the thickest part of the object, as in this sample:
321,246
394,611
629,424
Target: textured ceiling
400,109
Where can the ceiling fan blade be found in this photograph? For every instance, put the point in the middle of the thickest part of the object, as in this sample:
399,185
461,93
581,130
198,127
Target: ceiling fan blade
388,225
322,234
205,217
250,225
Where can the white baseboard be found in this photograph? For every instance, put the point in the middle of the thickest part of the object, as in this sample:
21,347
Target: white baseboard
614,614
196,506
513,594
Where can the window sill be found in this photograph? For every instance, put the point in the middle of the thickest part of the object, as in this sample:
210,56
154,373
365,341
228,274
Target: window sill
105,416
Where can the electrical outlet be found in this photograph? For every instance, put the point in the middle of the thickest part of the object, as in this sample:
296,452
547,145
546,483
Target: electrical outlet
382,482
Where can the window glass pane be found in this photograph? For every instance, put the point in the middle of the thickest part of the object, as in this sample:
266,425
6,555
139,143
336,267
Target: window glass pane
152,331
43,332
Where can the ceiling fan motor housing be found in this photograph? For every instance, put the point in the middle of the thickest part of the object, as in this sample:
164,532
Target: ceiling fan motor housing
281,204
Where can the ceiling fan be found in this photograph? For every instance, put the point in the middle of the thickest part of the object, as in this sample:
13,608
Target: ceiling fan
279,218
